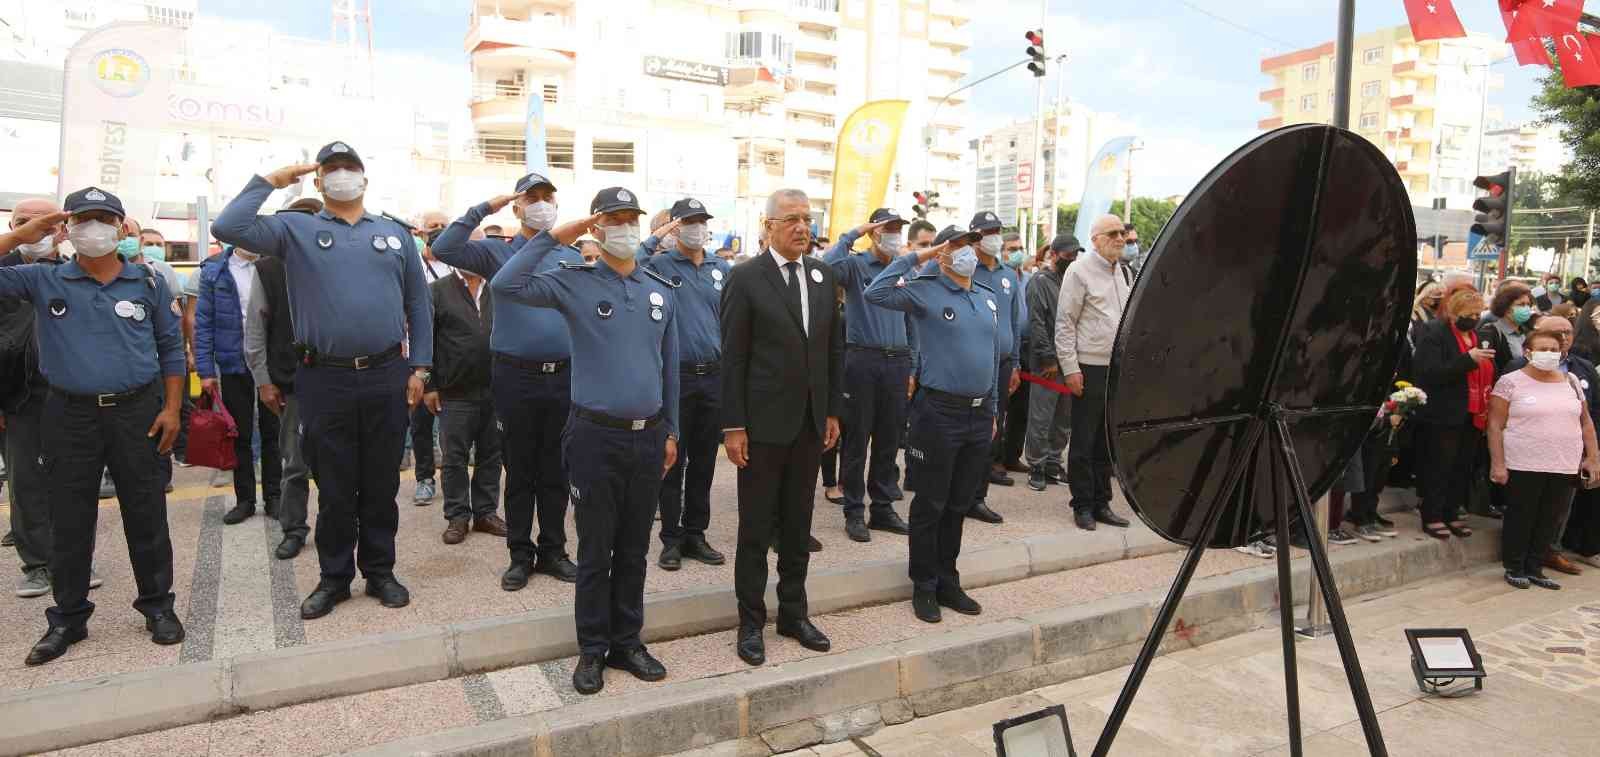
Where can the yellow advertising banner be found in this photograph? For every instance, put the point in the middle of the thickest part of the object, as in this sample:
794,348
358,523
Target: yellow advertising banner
865,158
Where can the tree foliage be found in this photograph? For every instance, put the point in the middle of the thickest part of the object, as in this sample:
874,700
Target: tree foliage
1577,113
1149,215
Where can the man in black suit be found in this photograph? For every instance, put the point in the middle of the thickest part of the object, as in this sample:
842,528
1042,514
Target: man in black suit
782,344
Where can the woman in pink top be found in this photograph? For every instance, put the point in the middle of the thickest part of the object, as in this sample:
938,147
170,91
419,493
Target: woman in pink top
1540,437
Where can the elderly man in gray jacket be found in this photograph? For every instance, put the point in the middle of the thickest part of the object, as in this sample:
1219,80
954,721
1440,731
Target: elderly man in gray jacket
1048,411
1094,290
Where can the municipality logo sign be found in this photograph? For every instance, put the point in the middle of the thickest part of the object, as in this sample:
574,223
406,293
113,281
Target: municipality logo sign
119,72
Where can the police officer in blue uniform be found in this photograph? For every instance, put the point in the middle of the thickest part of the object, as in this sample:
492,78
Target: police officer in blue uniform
529,379
622,435
1007,288
697,279
952,415
356,292
111,349
877,367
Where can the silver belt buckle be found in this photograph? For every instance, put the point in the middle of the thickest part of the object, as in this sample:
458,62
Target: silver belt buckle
638,425
359,363
105,400
548,368
976,401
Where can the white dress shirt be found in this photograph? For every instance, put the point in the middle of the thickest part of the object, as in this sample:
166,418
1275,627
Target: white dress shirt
800,270
244,276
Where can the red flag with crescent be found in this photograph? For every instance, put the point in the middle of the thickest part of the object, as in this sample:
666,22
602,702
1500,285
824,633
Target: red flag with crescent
1433,19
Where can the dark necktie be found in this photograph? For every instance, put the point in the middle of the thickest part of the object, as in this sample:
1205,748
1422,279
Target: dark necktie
794,287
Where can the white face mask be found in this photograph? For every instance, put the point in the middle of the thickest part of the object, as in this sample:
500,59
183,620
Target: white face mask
1546,361
344,185
93,239
622,240
990,245
693,236
36,250
891,244
540,215
964,261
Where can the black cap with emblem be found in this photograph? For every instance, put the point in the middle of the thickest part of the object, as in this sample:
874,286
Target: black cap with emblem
614,199
689,207
92,198
956,236
985,221
1066,243
533,180
882,215
334,150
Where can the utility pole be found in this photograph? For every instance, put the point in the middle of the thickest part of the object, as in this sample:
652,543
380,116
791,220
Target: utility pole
1127,191
1031,244
1588,245
1055,146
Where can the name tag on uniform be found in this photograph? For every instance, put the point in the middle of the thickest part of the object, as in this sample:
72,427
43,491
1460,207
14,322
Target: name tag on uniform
816,276
716,273
656,299
378,243
123,309
656,314
394,242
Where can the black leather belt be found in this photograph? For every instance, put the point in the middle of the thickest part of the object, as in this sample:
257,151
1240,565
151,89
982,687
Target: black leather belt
359,363
958,400
699,369
884,351
103,400
553,366
621,424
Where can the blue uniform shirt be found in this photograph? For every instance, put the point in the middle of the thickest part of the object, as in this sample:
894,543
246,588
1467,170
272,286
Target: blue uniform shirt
100,339
353,289
1008,297
963,323
864,325
533,334
622,327
698,294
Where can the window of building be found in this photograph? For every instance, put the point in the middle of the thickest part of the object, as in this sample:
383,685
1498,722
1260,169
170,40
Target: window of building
1372,89
666,99
1372,56
1369,121
1308,72
831,6
760,47
552,93
558,151
613,156
1308,103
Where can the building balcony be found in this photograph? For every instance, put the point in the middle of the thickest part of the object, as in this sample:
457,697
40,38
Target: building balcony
1272,95
544,33
811,131
1270,123
812,72
958,12
808,158
1413,102
953,37
942,61
1413,167
805,14
812,102
497,107
1414,69
817,185
815,45
521,58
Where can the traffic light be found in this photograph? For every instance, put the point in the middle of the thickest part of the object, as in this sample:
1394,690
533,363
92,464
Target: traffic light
1494,220
1036,51
933,200
921,208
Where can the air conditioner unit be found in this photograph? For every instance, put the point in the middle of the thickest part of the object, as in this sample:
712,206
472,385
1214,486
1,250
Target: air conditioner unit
772,159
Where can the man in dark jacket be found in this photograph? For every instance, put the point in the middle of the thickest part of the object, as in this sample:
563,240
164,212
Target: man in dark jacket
1047,410
226,284
458,393
270,353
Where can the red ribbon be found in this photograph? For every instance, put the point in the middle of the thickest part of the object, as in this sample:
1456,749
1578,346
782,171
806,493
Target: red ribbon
1044,382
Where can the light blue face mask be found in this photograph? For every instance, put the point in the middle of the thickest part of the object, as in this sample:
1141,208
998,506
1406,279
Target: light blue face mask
128,247
1130,251
154,252
1014,259
964,262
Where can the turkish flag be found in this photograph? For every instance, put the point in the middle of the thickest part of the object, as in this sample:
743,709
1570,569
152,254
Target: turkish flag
1552,17
1579,65
1434,19
1527,46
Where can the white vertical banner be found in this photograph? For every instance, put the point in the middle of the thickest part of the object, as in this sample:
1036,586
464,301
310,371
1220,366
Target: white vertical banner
118,79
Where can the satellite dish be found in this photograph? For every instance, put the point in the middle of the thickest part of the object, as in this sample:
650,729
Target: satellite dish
1252,358
1283,280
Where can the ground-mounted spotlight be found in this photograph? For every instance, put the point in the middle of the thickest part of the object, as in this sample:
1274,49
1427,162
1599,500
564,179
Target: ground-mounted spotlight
1444,659
1036,734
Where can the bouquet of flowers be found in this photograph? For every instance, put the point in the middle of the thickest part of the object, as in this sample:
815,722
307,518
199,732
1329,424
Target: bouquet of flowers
1401,404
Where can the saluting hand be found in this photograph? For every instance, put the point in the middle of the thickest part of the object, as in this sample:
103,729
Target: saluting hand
38,228
497,204
569,232
669,457
667,228
866,228
930,253
283,177
830,433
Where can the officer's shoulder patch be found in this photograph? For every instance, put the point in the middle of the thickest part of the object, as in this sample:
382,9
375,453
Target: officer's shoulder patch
301,210
658,277
928,275
983,286
567,265
403,224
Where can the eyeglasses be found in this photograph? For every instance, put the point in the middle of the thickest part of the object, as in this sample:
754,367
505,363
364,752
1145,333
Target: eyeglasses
791,220
1114,234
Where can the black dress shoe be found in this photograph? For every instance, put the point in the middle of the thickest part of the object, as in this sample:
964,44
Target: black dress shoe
980,511
888,521
1017,467
671,557
516,576
388,591
812,545
752,648
239,513
855,527
590,675
1084,519
695,547
289,548
925,605
638,662
1057,475
322,600
9,540
1104,515
956,599
54,643
558,566
998,477
165,628
807,634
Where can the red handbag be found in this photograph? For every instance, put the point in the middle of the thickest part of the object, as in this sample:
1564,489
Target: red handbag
212,433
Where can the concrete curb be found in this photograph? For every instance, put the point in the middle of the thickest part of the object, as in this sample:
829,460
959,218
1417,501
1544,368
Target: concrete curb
54,717
834,697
